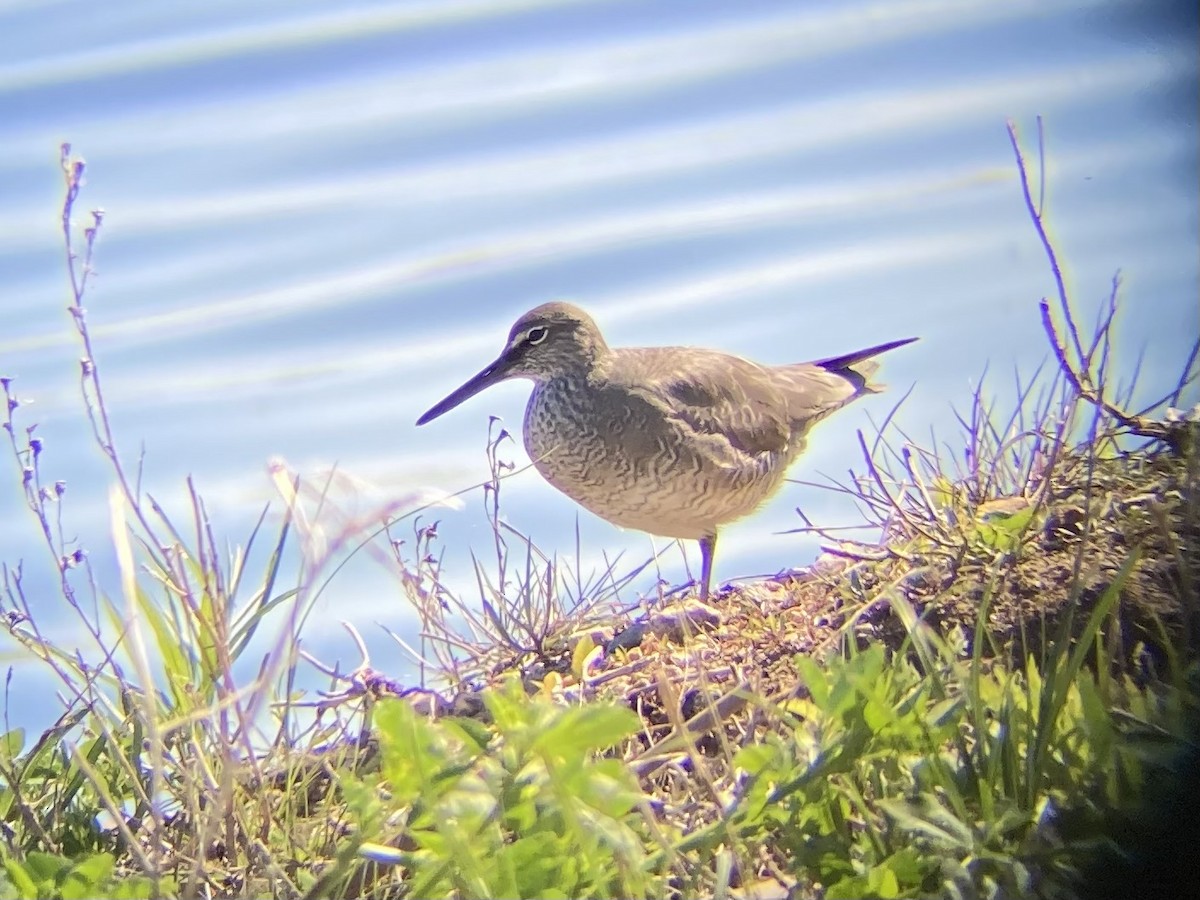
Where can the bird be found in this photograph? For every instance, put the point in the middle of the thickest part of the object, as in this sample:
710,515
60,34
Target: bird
674,441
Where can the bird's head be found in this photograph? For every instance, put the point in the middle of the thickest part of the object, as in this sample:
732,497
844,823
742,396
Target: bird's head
550,341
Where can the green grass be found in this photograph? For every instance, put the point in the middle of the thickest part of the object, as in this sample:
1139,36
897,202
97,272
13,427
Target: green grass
994,701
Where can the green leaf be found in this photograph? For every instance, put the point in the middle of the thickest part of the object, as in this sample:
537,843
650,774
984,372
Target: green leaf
580,729
607,787
44,866
580,654
1002,522
139,888
11,745
535,860
877,715
755,758
909,866
20,877
814,678
87,878
409,745
173,652
470,731
945,712
882,882
509,707
851,888
931,820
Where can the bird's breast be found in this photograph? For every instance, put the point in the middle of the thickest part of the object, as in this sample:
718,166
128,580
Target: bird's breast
635,464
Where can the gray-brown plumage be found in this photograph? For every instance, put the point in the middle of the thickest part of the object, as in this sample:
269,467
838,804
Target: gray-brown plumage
675,441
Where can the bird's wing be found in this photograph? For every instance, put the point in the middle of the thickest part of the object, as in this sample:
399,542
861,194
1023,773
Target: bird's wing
812,391
715,395
816,389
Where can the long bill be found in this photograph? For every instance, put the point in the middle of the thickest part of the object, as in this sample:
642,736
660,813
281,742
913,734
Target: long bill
494,373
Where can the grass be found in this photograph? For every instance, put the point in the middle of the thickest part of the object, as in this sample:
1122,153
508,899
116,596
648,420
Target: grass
998,699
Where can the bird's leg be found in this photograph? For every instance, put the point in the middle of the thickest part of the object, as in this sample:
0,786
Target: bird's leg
708,546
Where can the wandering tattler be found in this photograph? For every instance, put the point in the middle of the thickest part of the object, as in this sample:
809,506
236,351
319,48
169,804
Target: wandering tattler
676,441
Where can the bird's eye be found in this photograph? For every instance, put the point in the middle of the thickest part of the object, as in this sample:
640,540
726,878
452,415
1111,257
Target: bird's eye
536,334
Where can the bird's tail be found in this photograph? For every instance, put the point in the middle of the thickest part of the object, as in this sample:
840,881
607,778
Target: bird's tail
859,366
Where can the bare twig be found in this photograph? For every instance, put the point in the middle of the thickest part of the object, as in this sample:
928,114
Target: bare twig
1087,385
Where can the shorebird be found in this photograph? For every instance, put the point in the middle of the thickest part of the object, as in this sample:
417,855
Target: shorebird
675,441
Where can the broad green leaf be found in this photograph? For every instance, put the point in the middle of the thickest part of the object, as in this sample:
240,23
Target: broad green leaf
755,758
854,887
814,679
44,866
412,757
607,787
932,821
21,879
579,730
11,745
88,878
471,732
883,883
